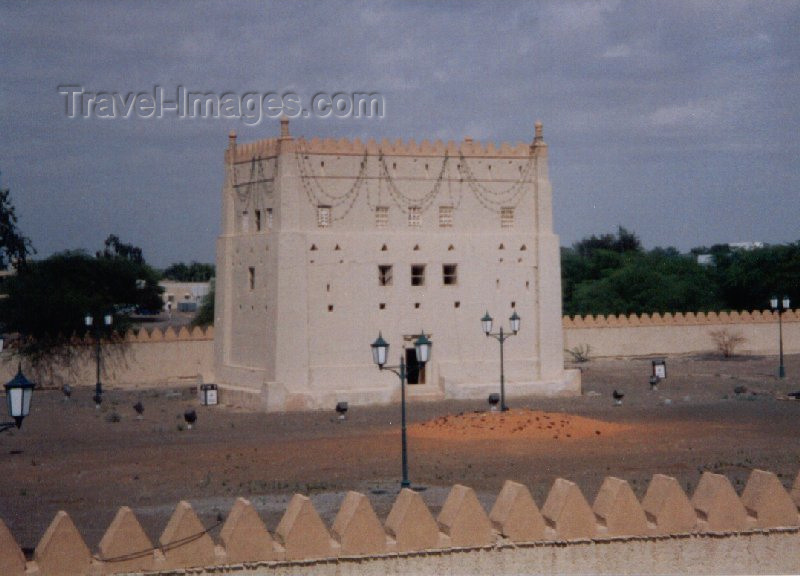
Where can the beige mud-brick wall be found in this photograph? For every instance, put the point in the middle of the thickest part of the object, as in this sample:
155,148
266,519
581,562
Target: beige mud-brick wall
690,333
150,358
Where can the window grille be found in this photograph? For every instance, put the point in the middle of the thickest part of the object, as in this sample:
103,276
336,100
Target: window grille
381,216
323,216
445,216
507,217
414,216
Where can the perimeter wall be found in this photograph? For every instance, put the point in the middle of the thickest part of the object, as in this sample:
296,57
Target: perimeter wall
157,357
716,531
645,335
143,359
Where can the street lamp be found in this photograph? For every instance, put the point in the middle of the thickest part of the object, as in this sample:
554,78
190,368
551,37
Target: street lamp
781,306
380,352
89,320
501,337
19,391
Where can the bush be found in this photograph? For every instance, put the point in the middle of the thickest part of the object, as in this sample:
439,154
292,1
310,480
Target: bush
580,353
727,341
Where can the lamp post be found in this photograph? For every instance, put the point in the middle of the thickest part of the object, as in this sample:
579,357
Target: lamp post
89,320
501,337
19,391
380,352
781,306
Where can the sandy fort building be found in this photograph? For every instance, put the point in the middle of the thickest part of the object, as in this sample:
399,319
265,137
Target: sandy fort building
326,243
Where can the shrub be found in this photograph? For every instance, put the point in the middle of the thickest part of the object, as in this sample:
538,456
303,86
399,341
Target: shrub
580,353
727,341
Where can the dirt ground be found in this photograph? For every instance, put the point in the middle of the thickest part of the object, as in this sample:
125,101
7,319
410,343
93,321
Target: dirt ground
70,456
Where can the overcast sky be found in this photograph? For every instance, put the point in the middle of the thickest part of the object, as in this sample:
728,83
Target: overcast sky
677,120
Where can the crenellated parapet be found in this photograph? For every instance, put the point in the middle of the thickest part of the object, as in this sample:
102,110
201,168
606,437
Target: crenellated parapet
679,319
469,148
303,539
168,334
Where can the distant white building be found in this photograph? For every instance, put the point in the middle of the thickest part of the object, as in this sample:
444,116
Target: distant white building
325,244
184,296
745,245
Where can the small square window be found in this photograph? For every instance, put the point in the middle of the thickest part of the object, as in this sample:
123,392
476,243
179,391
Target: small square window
323,216
445,216
385,275
507,217
418,274
414,216
450,274
381,216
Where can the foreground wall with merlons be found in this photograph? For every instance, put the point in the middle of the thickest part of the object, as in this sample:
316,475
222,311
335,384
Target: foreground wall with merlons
690,333
715,531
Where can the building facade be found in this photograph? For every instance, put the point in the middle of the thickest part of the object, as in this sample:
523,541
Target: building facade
327,243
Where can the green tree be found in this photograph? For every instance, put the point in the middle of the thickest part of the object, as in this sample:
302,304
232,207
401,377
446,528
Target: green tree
661,280
48,299
194,272
747,278
205,316
115,249
14,246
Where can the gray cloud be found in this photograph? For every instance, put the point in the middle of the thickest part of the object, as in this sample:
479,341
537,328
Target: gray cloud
675,119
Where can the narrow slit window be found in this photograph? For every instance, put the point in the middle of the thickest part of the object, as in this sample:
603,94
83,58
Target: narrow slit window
251,277
258,220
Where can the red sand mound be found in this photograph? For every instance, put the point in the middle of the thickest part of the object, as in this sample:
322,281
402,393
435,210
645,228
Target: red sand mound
524,423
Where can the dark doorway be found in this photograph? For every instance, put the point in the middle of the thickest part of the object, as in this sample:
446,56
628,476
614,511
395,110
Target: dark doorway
415,373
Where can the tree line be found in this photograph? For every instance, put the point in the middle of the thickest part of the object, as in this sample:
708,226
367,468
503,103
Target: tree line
614,274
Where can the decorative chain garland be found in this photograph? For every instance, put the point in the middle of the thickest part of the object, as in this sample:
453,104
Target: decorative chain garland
491,200
494,200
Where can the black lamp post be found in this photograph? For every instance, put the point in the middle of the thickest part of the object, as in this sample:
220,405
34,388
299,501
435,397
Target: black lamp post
19,391
781,306
89,320
501,337
380,352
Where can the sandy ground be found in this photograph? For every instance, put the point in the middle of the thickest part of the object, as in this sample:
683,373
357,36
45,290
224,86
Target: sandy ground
70,456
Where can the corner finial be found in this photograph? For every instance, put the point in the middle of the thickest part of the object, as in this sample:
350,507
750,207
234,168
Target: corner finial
538,146
285,128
